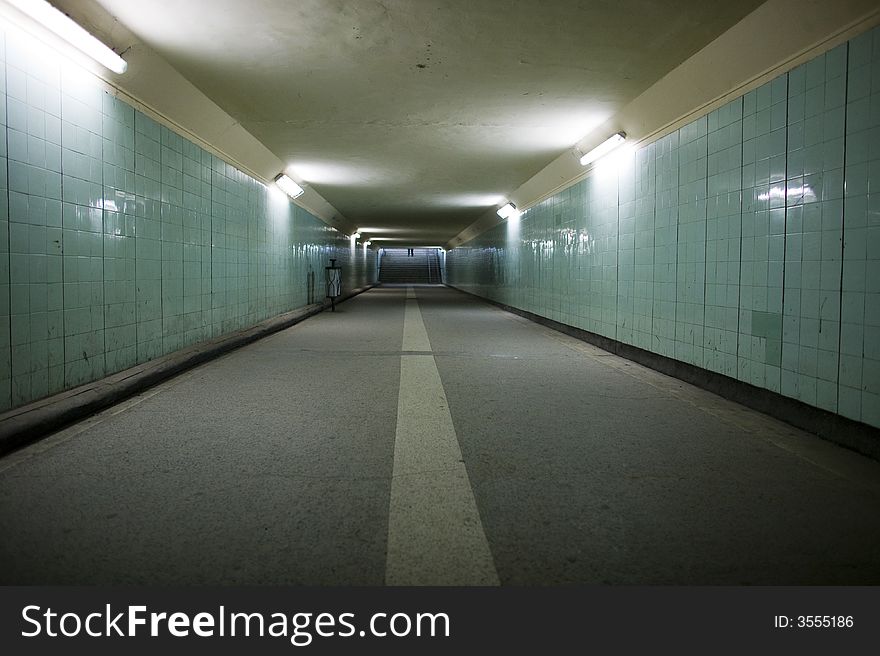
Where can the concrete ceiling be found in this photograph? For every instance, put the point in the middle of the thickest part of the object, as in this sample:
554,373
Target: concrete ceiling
412,117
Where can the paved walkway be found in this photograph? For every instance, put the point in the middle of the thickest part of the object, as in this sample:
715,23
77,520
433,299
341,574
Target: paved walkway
420,436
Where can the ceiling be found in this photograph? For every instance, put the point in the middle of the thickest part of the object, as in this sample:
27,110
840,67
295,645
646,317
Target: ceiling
413,117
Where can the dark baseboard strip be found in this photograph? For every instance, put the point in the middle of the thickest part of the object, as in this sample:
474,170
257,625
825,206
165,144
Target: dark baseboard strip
36,420
854,435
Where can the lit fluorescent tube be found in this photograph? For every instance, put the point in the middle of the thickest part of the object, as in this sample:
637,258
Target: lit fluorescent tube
288,186
604,148
56,22
507,211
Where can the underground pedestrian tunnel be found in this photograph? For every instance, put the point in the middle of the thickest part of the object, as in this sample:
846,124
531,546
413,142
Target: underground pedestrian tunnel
481,293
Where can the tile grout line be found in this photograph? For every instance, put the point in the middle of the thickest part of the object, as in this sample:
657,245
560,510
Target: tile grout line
8,228
435,534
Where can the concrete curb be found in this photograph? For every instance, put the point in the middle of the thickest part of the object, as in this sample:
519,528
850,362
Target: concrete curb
848,433
33,421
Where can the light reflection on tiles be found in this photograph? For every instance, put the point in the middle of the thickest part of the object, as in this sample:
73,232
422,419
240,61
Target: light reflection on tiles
128,241
746,242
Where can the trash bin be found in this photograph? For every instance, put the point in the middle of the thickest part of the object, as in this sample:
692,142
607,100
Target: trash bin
334,282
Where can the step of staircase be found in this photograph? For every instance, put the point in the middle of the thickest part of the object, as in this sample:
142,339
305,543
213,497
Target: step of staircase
422,267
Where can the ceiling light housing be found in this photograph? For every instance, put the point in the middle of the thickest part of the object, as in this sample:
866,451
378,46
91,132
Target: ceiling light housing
506,211
71,32
288,186
603,148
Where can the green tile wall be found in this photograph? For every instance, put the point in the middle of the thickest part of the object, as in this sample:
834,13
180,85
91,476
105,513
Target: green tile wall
5,321
859,372
746,242
121,241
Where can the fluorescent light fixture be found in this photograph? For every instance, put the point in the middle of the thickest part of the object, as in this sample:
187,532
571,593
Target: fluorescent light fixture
59,24
288,186
507,211
604,148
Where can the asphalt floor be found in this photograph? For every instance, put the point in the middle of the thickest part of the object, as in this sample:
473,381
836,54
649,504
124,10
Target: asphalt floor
420,436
